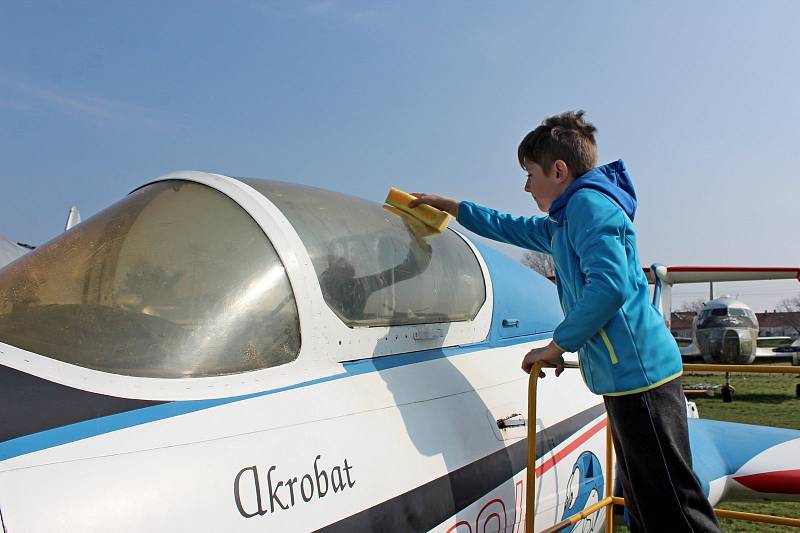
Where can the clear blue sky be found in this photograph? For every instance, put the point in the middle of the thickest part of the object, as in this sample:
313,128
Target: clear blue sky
699,98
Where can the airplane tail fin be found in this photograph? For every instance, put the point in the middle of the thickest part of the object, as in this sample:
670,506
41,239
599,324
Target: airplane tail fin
73,218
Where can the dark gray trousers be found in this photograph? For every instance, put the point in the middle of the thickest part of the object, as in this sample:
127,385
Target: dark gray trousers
651,440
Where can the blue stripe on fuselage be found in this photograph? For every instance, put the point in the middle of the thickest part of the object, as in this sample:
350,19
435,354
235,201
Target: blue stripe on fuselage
106,424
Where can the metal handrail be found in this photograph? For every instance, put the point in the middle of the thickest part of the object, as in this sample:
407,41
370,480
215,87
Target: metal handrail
580,516
743,369
610,499
739,515
530,490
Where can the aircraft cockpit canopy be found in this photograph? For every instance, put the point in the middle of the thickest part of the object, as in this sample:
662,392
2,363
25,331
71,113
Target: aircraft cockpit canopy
726,316
175,280
378,268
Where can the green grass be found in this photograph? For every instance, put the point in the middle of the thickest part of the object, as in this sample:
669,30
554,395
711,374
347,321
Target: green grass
764,399
790,509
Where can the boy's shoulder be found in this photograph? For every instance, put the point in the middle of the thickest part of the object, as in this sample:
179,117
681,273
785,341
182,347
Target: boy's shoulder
607,189
591,204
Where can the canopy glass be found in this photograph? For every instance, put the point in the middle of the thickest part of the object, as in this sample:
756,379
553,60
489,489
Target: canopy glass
378,267
176,280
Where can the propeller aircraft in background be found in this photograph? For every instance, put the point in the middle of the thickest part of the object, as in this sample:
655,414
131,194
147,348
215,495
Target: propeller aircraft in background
725,330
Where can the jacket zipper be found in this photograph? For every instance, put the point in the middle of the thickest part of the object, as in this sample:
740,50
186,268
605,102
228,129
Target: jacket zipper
609,347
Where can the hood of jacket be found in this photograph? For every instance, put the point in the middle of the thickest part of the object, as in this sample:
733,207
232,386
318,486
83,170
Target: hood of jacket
612,180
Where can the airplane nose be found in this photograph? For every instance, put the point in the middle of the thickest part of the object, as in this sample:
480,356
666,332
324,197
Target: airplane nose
730,345
726,345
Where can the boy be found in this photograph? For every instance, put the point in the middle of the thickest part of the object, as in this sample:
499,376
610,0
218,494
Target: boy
625,351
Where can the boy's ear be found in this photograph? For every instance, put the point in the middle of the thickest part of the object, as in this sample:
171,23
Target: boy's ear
562,170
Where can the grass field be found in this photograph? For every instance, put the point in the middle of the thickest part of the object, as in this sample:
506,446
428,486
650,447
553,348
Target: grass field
765,399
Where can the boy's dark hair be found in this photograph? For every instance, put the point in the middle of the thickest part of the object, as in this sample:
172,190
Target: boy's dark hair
567,137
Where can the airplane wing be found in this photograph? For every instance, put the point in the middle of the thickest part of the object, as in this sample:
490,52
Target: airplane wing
770,353
690,351
672,275
769,345
780,340
742,462
10,251
664,277
688,347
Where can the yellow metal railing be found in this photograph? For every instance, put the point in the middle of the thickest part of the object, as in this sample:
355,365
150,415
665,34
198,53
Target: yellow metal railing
744,369
610,499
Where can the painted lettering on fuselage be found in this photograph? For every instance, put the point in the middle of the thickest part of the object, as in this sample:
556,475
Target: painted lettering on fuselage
494,515
258,494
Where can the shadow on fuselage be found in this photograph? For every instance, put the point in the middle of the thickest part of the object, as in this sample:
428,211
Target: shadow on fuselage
442,414
446,418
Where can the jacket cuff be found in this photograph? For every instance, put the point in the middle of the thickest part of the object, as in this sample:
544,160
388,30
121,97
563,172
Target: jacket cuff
462,207
561,345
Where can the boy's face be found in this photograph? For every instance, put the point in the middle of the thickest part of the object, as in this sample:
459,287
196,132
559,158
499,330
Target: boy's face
545,187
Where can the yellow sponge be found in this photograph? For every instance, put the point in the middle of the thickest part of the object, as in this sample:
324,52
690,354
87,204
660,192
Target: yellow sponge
428,215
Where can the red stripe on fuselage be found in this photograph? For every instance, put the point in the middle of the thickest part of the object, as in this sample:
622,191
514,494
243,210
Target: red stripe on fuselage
569,448
780,482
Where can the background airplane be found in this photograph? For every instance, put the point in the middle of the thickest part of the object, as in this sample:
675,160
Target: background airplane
725,330
11,251
213,353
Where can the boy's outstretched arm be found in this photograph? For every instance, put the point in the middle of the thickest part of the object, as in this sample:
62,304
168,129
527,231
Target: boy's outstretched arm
443,203
532,233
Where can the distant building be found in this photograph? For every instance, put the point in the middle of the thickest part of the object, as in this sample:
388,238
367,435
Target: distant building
681,324
778,324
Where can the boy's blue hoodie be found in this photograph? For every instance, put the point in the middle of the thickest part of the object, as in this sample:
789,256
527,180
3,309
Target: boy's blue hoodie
622,341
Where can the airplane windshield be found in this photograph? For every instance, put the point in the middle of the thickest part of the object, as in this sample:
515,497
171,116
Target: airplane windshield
176,280
727,317
377,268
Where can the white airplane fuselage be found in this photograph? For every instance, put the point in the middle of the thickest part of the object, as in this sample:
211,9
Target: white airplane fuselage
214,354
368,428
414,446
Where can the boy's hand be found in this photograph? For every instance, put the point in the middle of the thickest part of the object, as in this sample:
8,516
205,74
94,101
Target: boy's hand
550,354
442,203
